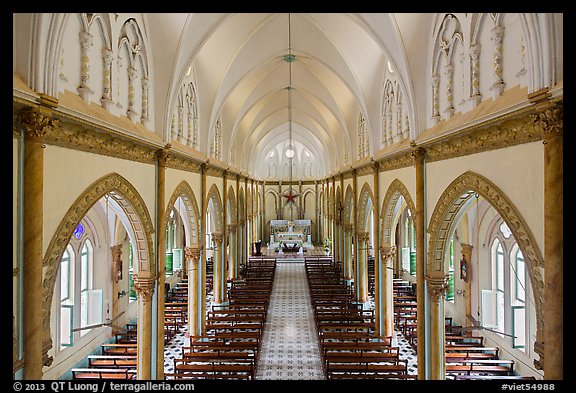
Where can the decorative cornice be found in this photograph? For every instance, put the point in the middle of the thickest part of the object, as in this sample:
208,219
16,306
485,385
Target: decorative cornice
80,137
214,171
508,132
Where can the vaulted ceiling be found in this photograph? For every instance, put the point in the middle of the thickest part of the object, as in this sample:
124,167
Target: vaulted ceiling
241,76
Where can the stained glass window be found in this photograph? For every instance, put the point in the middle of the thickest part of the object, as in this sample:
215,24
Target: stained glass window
79,231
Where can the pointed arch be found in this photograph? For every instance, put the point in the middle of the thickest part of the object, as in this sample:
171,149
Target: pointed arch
141,232
348,205
365,201
444,217
232,204
214,197
396,190
189,211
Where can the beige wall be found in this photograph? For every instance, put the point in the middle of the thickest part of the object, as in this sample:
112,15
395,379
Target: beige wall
68,173
518,171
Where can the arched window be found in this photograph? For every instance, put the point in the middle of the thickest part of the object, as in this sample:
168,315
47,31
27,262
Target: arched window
66,299
450,292
132,293
408,234
518,298
87,297
81,304
504,304
498,281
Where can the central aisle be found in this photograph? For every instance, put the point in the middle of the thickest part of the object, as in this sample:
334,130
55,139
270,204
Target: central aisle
290,344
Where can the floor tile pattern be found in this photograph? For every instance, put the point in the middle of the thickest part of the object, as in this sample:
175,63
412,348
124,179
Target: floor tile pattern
290,345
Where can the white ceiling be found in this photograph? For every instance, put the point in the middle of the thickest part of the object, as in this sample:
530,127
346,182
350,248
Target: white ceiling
240,75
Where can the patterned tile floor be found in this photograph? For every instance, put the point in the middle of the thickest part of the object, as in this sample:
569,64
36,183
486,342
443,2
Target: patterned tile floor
289,345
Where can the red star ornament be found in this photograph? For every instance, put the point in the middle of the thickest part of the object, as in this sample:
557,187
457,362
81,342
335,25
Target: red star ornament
290,196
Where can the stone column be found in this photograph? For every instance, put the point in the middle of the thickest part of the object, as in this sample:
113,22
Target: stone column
217,269
466,250
233,270
162,157
361,267
437,286
86,41
116,273
387,305
435,97
132,75
475,96
224,255
377,262
203,210
418,156
192,256
144,288
242,245
496,36
35,125
552,126
333,216
145,90
355,217
348,270
449,75
238,237
107,58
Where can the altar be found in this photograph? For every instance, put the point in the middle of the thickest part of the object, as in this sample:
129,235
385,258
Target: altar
290,234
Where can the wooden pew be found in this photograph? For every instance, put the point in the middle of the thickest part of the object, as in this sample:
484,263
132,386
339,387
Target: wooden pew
466,352
112,361
366,369
119,349
103,373
492,377
480,366
213,370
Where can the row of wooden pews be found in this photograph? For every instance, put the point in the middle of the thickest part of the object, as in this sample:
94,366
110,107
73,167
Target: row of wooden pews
468,358
346,333
230,346
466,355
118,360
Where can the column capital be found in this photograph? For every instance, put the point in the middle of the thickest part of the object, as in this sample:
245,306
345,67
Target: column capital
388,253
144,288
550,123
232,228
217,236
417,154
362,237
37,123
163,155
437,284
192,252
